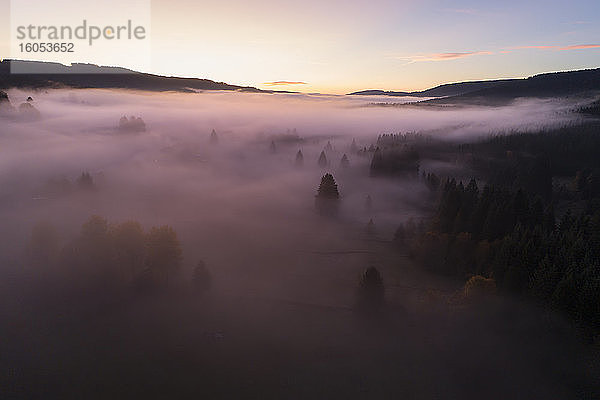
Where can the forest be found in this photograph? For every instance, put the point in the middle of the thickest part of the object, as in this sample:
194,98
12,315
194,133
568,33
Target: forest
530,221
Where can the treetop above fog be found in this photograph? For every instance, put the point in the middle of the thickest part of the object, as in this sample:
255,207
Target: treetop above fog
328,188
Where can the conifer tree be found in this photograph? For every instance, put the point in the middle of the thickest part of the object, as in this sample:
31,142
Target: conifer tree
322,160
328,188
327,198
344,162
376,161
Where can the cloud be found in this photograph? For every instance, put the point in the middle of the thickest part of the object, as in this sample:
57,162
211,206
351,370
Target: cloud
278,83
535,47
443,56
456,55
453,56
580,46
561,48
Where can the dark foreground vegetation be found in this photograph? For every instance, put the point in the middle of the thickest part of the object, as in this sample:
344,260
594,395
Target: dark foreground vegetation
530,221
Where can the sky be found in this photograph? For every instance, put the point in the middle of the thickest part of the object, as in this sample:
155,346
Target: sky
340,46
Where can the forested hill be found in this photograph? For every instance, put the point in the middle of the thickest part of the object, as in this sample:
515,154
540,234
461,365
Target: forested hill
93,76
544,85
448,89
569,83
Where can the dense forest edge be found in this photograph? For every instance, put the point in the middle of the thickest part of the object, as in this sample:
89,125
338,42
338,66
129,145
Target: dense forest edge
527,223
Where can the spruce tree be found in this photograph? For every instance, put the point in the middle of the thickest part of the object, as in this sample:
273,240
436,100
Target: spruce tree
323,160
328,188
376,162
344,162
327,198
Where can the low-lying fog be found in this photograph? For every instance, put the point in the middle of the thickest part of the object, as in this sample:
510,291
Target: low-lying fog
278,317
171,174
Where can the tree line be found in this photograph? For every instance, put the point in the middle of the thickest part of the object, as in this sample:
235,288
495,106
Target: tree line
110,255
508,231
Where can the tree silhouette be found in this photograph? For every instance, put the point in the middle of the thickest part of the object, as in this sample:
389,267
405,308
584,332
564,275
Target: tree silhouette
131,124
85,181
402,160
344,162
272,147
328,188
327,198
376,161
322,160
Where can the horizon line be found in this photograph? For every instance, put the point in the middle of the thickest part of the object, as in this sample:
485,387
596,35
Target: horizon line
296,82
